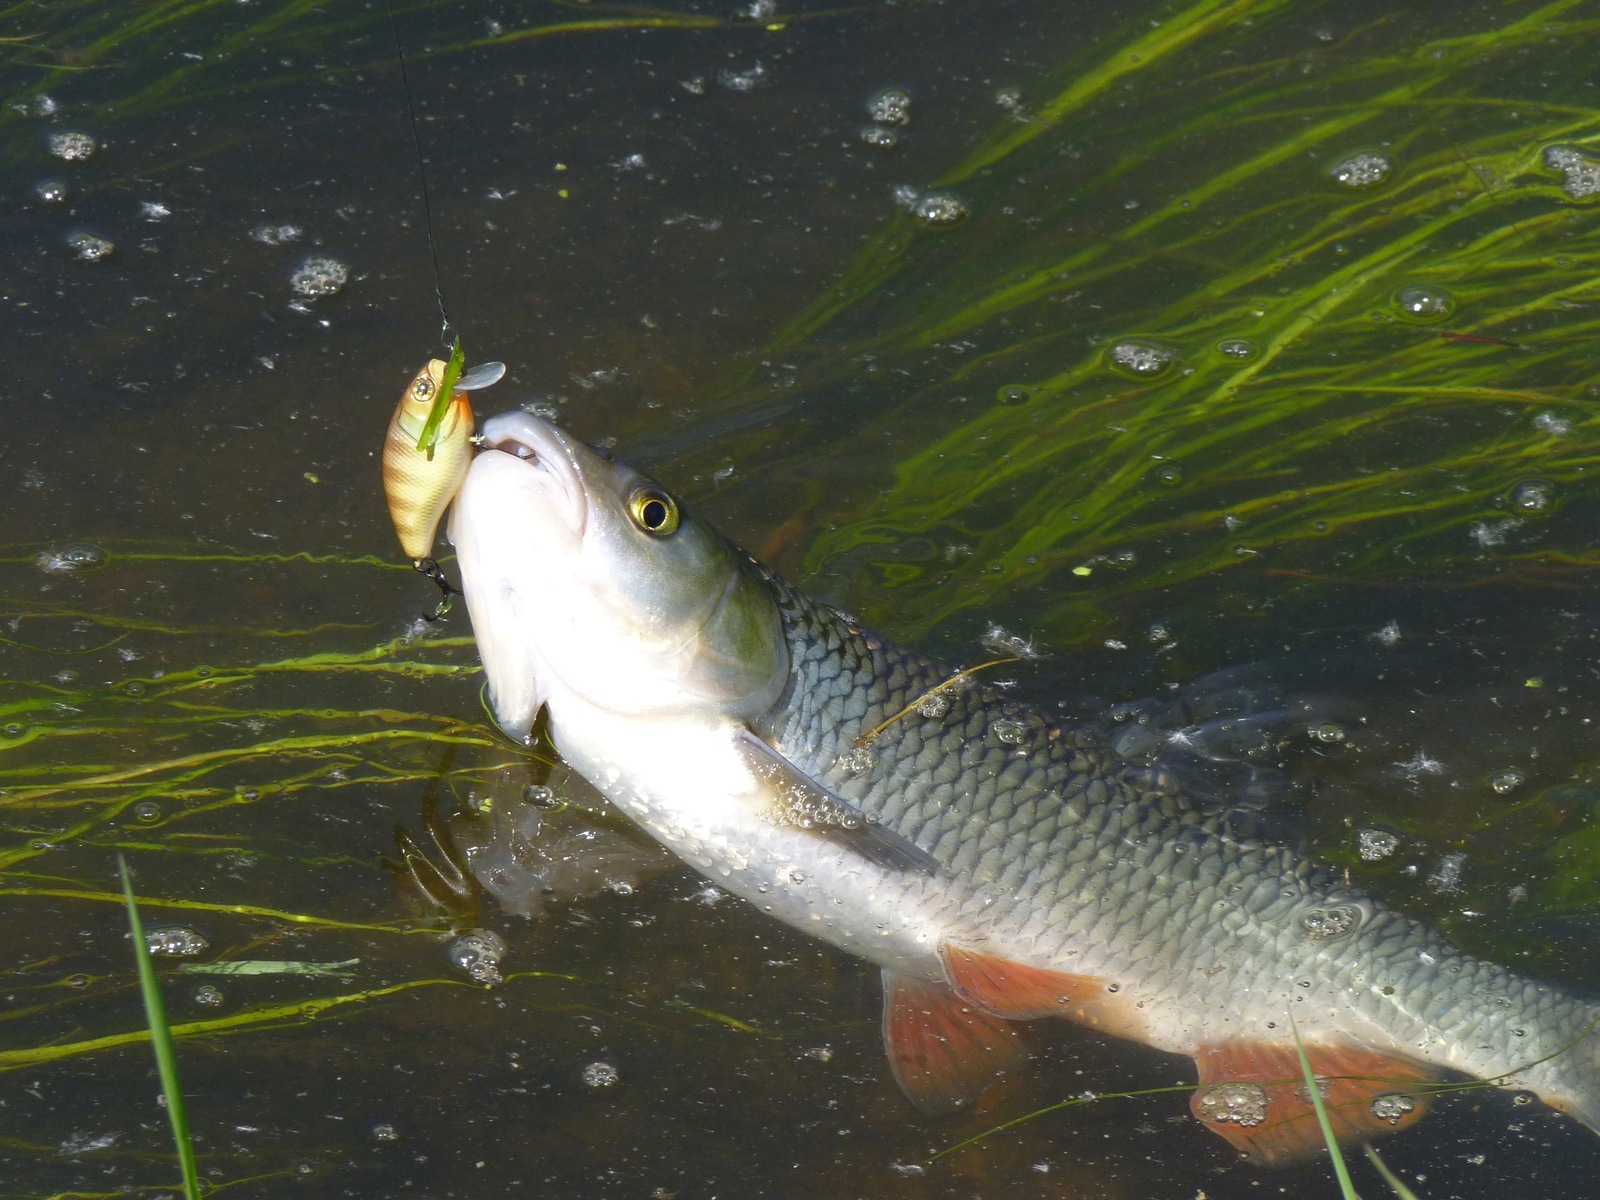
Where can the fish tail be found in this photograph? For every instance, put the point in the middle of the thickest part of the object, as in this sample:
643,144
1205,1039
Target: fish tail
1571,1079
1582,1098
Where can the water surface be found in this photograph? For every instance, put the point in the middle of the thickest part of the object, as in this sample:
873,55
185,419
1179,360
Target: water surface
671,228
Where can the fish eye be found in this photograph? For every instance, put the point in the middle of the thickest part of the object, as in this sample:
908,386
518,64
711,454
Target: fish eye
422,389
653,511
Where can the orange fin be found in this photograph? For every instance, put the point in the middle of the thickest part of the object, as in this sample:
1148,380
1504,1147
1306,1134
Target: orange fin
943,1050
1254,1095
1016,990
1013,989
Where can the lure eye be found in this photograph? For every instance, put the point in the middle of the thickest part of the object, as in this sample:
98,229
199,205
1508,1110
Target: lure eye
653,511
422,389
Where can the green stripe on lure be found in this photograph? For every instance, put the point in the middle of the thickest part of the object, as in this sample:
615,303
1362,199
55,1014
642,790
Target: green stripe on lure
428,439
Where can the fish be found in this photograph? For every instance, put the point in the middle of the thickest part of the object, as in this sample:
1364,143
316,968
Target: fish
997,865
423,472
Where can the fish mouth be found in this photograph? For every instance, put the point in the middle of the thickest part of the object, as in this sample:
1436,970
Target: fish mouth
546,449
518,525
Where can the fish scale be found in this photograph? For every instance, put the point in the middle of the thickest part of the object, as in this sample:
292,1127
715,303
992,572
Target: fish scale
782,751
1144,883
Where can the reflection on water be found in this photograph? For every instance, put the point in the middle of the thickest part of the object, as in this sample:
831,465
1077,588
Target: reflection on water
676,230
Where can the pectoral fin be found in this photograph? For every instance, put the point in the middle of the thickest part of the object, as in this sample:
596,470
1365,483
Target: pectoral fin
1254,1095
801,802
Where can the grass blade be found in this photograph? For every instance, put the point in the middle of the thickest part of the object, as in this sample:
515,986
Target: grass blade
1389,1177
1346,1188
155,1012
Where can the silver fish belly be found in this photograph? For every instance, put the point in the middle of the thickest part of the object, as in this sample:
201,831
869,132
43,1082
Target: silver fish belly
997,865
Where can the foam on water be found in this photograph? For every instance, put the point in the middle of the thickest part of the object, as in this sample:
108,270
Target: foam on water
1363,169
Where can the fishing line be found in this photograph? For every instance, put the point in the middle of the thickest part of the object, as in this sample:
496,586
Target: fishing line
427,566
422,171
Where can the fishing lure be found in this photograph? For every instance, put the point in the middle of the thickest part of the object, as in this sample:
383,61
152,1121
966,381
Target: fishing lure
428,447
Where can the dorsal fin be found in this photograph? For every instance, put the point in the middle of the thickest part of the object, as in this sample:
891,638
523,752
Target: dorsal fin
1254,1095
942,1049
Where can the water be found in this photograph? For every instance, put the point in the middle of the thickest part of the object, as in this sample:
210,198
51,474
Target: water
636,222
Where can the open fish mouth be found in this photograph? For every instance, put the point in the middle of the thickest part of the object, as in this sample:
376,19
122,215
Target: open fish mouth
541,446
518,526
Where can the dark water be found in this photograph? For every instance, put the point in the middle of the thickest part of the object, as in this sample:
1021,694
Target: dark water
635,220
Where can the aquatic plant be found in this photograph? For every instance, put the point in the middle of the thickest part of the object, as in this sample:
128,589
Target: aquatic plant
1231,302
155,1013
1227,298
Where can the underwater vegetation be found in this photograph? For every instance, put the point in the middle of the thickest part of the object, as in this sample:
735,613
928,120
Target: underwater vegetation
1251,297
1215,306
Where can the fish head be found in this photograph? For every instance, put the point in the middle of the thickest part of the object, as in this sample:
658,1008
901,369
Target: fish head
588,582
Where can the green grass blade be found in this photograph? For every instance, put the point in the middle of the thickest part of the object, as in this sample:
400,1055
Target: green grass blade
441,403
1346,1188
1389,1177
155,1011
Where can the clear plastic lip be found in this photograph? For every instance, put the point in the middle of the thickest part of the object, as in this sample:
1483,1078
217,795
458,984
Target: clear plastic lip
481,376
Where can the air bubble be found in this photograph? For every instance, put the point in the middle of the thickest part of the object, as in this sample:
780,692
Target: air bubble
1234,1103
175,941
1446,877
743,81
1363,169
147,811
940,210
1424,305
1509,780
1141,359
1531,496
1328,731
600,1075
1171,474
1014,394
1239,349
880,137
1322,923
1392,1107
1582,172
478,953
319,275
73,145
1551,423
276,235
70,558
52,191
209,996
1012,733
1375,844
857,760
933,706
892,106
541,796
90,247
